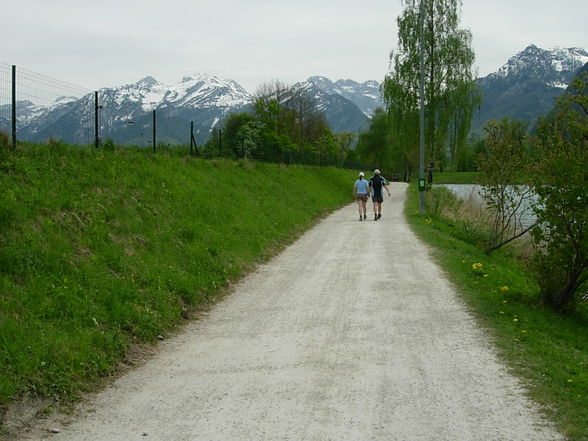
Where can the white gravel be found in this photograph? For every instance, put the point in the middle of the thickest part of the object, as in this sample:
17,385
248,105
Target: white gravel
352,333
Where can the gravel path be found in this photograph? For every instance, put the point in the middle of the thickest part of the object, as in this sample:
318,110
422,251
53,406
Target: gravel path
352,333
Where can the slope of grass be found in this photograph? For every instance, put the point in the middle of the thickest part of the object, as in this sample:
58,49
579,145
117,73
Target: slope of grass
100,249
548,351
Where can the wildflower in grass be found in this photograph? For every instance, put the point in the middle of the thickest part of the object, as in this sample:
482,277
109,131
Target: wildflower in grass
570,381
486,275
502,312
477,268
524,331
428,220
503,288
515,319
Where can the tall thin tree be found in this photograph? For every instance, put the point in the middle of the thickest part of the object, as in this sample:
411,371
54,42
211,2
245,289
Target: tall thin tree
450,90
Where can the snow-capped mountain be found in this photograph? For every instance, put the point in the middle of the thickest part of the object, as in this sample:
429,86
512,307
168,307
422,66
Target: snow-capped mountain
341,113
555,67
125,114
528,84
125,111
366,96
196,91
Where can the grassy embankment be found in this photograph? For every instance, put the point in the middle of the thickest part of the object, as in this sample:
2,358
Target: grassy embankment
102,249
547,350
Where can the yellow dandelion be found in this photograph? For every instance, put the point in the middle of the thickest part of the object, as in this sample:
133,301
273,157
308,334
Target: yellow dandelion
503,288
570,381
486,275
515,319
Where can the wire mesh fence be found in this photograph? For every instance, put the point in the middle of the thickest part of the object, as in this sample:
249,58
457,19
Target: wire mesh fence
35,107
39,109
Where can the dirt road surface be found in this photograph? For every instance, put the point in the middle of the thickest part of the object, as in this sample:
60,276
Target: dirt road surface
352,333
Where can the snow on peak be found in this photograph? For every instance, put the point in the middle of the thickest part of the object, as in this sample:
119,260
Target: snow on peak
196,90
555,66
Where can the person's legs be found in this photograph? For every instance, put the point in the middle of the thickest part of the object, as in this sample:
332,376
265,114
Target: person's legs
364,208
359,202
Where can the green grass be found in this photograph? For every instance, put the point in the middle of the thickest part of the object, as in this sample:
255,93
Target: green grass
101,249
547,350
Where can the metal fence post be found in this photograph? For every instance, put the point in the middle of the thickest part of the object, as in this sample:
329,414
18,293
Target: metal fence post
191,136
13,106
96,133
154,132
220,142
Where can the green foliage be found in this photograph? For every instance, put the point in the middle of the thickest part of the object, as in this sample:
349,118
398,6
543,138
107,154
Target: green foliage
450,90
284,125
549,351
375,146
101,249
561,262
504,169
5,140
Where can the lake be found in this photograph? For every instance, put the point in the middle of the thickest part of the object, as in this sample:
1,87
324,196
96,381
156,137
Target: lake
465,191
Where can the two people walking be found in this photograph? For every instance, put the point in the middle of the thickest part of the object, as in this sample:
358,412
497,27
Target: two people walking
363,189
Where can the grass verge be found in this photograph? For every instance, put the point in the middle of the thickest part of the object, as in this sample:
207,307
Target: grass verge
100,249
548,351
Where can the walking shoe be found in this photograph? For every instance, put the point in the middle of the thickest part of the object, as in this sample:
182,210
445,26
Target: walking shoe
360,218
379,215
364,217
375,217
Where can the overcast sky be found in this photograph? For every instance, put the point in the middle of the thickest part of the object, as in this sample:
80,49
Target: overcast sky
115,42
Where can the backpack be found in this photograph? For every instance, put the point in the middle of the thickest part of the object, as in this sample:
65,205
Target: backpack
376,183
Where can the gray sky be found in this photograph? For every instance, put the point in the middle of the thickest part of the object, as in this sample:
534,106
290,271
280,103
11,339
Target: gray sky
114,42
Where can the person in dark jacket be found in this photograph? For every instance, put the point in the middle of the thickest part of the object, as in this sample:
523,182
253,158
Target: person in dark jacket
376,184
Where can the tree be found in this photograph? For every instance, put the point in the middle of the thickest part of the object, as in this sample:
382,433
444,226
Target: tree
504,175
232,128
372,147
450,90
561,261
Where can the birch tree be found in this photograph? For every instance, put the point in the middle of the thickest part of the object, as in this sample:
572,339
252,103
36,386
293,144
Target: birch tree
450,90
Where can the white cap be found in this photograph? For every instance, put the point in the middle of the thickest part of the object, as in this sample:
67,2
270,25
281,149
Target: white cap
376,171
361,174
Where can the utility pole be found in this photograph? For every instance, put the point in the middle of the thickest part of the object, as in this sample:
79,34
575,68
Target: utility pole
422,110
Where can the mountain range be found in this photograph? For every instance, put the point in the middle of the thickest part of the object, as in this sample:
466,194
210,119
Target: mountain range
527,86
524,88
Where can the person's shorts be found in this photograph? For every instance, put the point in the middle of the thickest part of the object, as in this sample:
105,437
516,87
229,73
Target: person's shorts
379,199
362,197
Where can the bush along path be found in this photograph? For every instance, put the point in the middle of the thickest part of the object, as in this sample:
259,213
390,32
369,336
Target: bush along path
351,333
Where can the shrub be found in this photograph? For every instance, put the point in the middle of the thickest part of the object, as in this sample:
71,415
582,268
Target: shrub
561,263
5,140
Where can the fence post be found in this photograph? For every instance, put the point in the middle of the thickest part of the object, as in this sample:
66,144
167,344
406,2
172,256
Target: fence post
191,136
13,106
154,132
220,142
96,133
